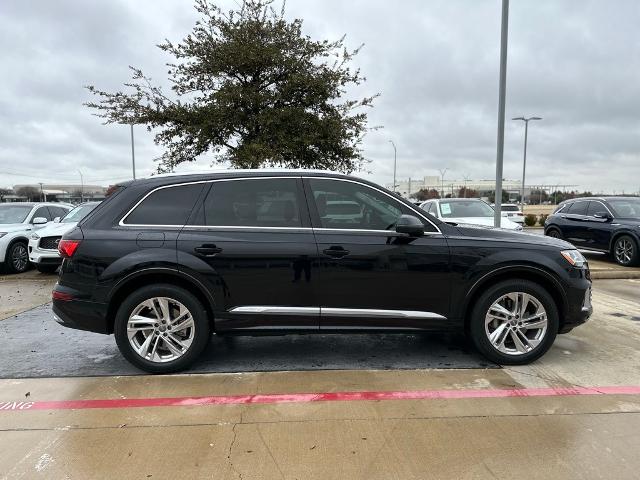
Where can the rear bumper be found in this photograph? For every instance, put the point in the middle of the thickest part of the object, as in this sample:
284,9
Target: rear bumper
79,313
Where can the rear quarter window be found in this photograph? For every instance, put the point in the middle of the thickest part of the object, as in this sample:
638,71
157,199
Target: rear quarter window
169,206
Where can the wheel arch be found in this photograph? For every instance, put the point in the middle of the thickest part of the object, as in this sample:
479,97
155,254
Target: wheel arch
12,242
619,234
521,272
152,276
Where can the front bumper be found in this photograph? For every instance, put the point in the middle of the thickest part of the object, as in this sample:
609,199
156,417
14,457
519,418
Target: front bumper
579,308
38,255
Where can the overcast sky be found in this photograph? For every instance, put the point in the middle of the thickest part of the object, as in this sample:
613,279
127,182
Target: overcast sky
576,63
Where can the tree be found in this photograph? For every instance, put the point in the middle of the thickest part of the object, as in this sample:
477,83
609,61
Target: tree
426,194
505,197
249,88
465,192
32,193
4,192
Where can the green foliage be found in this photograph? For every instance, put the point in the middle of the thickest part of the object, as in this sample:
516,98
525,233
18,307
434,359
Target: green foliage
250,88
33,194
530,219
542,218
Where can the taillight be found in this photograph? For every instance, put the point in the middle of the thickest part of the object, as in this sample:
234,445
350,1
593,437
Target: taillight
68,247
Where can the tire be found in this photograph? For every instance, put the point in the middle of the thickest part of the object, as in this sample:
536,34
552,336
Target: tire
46,268
625,251
17,258
162,359
553,233
539,339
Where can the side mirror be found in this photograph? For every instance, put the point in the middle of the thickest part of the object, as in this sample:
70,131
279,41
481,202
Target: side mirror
603,216
56,220
39,221
410,225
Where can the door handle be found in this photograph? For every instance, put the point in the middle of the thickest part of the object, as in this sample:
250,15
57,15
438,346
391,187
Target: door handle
336,252
207,250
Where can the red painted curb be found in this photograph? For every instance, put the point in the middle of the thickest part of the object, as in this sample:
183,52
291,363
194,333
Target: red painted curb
315,397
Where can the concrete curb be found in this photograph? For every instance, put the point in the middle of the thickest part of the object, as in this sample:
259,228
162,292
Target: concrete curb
614,275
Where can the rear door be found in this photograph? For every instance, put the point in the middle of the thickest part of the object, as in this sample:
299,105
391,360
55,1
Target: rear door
251,243
369,277
599,229
576,225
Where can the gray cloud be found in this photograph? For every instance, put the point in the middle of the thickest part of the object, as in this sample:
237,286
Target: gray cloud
573,62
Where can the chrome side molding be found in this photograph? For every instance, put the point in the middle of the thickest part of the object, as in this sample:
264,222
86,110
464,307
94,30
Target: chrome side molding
336,312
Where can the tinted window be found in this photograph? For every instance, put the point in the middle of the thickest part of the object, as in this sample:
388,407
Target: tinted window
58,212
577,208
349,205
41,212
596,207
167,206
263,202
626,207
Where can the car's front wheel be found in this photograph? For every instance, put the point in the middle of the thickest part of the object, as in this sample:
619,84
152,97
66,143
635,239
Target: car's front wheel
625,251
17,258
514,322
554,233
161,328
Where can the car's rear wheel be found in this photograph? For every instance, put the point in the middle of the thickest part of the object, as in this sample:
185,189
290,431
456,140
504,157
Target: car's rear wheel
625,251
17,258
554,233
161,328
514,322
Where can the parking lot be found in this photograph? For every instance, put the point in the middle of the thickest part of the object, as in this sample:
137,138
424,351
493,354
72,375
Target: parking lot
390,406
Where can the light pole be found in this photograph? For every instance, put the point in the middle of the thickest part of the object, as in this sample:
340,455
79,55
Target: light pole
395,162
502,90
524,165
133,155
442,172
81,187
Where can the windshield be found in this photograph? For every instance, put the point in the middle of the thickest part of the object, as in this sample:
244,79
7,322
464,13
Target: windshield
13,213
627,207
78,213
470,208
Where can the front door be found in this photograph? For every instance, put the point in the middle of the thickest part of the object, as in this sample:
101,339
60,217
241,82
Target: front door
369,276
251,242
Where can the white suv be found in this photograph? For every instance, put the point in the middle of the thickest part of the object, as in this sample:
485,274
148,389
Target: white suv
17,222
43,244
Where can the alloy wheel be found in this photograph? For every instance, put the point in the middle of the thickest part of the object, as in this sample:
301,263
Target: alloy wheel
624,251
19,258
160,329
516,323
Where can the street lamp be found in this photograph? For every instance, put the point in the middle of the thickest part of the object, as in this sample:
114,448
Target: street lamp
395,161
524,165
81,187
442,172
133,155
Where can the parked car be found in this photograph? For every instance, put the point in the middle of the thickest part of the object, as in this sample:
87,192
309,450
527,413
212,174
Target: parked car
469,211
603,224
43,244
164,262
512,212
17,221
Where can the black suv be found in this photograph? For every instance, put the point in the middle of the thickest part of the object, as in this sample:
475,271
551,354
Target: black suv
168,260
604,224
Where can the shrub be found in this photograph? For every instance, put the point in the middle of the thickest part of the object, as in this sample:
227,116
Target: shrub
542,219
530,220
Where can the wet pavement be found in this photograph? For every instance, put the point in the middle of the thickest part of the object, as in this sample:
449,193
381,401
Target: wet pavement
311,407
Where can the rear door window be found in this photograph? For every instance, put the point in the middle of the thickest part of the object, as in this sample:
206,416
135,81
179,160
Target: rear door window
257,202
579,208
167,206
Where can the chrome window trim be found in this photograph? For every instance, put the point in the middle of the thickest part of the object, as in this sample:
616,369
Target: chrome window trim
122,223
336,312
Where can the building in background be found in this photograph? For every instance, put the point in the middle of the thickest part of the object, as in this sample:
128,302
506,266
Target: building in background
69,193
409,187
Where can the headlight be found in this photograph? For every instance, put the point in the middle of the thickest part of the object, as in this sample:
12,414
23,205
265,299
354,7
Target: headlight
34,236
574,257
